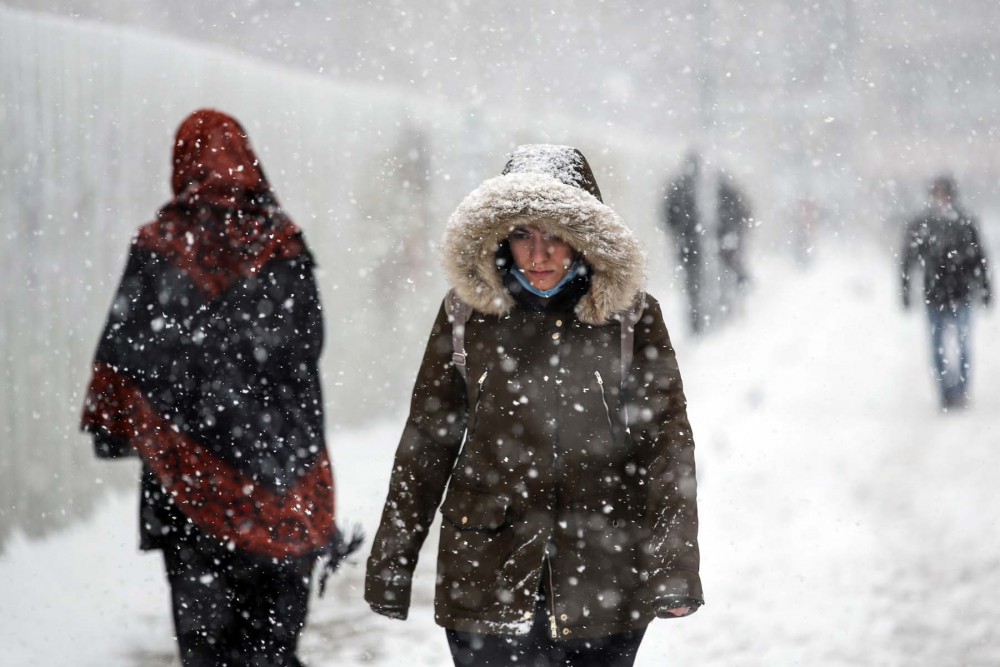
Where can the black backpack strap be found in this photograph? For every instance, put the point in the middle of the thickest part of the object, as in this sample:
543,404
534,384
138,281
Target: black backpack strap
459,313
629,319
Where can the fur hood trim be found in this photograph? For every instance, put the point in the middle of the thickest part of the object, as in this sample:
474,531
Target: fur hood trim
492,210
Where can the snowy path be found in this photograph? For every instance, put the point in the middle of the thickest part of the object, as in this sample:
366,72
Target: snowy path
844,520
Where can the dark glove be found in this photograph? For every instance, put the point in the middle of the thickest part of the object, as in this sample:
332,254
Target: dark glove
664,606
107,446
987,298
398,613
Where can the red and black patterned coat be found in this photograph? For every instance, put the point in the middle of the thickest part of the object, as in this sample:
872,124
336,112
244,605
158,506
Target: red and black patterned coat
207,368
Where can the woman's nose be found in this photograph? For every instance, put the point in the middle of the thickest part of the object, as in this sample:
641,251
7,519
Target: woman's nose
539,252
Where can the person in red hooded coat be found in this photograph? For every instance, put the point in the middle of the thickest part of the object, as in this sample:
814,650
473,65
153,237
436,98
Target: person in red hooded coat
207,370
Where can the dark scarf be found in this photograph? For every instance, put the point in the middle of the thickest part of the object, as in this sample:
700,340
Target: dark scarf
208,364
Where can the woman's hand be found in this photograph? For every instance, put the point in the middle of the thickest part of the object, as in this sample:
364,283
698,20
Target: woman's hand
397,613
679,611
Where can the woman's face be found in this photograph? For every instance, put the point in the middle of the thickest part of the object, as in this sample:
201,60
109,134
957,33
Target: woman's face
542,259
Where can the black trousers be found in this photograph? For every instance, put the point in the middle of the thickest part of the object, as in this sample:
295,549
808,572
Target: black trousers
537,649
232,610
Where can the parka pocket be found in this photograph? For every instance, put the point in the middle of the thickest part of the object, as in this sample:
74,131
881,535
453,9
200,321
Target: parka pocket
605,512
467,509
607,524
476,541
602,545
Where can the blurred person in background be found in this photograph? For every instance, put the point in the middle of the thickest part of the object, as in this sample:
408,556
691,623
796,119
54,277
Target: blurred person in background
709,218
944,240
682,220
549,413
207,370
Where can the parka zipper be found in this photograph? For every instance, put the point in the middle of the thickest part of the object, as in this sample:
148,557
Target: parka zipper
604,399
553,627
479,399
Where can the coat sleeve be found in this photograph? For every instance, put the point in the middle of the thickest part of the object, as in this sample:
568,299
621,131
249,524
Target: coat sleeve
126,314
664,447
982,269
424,460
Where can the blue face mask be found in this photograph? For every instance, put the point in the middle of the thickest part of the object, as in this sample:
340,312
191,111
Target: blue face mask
574,271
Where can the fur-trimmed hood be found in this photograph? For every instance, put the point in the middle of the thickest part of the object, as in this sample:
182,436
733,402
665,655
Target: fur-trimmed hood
550,186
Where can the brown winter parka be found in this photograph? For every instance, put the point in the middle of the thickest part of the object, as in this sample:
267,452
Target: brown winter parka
546,456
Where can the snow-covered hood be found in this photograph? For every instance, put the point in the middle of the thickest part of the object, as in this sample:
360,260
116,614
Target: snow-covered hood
555,206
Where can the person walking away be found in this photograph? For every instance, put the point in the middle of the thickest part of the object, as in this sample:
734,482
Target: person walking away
207,370
549,413
945,242
684,223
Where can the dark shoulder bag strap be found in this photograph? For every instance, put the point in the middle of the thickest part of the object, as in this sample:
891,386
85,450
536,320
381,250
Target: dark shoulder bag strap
459,313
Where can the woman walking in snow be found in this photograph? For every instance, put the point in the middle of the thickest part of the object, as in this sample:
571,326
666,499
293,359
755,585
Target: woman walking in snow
208,371
550,406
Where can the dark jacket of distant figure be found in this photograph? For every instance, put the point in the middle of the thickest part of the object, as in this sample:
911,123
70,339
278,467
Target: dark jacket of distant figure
566,464
207,368
684,219
681,208
734,217
945,242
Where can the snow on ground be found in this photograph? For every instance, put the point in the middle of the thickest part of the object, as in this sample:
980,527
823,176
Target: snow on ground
845,520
